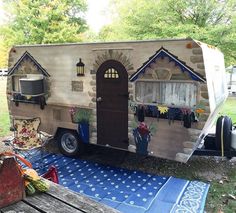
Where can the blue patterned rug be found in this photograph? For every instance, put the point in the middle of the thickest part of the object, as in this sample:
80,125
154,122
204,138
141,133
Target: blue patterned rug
126,190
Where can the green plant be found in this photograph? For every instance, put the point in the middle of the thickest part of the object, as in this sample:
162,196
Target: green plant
81,115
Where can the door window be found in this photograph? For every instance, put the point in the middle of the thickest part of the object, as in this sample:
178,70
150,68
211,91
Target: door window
111,73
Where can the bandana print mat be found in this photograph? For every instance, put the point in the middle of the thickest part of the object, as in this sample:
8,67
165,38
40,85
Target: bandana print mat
126,190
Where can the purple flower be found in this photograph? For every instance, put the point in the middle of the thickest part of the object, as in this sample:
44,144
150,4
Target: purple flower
72,110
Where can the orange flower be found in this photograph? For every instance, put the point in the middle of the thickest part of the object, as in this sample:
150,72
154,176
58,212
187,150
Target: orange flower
199,111
189,45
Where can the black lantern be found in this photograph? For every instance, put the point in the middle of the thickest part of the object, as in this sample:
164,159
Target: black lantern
80,68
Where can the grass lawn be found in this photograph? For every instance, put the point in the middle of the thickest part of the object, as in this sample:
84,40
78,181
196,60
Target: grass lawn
4,116
219,196
229,108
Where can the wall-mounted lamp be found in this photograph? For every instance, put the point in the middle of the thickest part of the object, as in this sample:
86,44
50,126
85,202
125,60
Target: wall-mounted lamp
80,68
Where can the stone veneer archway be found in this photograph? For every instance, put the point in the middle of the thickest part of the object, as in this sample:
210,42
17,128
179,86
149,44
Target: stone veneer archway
122,55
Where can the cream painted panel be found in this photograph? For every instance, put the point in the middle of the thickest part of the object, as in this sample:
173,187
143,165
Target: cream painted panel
72,98
60,62
67,56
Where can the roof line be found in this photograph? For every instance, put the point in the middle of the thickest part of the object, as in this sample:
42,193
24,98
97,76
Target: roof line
109,42
184,65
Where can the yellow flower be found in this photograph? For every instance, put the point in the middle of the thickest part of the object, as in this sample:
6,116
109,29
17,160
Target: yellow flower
163,109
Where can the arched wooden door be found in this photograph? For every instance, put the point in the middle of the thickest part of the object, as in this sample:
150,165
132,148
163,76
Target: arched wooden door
112,105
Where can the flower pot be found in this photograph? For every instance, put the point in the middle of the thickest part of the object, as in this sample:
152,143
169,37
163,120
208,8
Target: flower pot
141,147
83,129
141,142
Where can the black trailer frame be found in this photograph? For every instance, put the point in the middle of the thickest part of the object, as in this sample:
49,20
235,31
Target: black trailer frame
209,149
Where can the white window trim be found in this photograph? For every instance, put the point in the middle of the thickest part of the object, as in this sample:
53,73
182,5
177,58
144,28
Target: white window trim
13,83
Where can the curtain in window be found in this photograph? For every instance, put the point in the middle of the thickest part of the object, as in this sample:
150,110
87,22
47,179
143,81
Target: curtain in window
167,93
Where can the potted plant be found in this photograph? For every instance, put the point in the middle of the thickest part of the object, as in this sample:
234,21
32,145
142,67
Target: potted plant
142,136
83,118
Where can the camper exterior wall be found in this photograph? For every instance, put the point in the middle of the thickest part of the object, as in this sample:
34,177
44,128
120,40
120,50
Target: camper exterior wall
67,90
216,83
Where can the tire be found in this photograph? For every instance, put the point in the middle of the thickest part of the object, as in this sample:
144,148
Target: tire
218,132
227,128
69,143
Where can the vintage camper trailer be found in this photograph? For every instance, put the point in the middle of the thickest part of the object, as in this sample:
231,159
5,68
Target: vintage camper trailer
157,97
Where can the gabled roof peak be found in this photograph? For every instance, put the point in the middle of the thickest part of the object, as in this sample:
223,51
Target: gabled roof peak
161,53
28,57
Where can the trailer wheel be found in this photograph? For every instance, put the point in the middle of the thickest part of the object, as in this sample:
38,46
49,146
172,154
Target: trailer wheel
69,143
225,123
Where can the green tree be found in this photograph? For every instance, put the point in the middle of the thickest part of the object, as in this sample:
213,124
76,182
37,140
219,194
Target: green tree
44,21
40,22
210,21
3,55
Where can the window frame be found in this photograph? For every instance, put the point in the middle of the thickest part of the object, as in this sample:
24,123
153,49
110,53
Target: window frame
116,73
13,82
167,81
